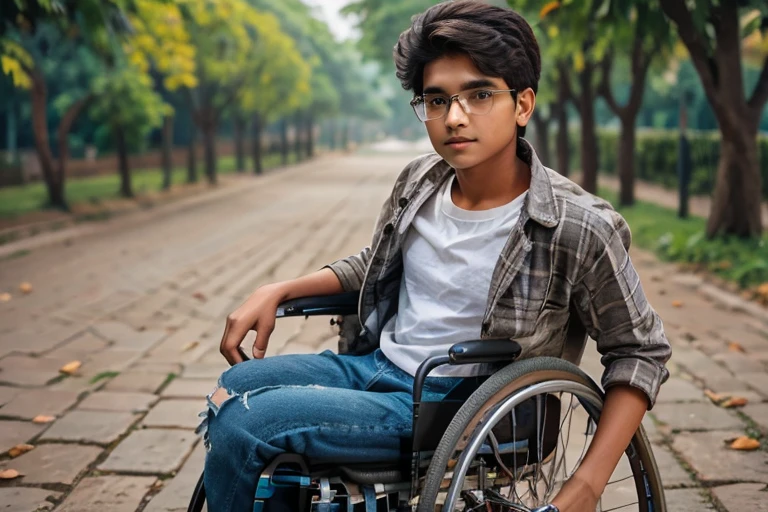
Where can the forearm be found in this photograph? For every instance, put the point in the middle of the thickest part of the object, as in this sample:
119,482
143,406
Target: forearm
622,413
322,282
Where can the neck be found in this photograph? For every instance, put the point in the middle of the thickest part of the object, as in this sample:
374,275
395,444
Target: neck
493,182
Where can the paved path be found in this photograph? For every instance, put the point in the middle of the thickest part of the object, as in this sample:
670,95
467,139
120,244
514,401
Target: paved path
142,304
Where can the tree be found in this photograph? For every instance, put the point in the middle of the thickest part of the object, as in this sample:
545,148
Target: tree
713,33
644,29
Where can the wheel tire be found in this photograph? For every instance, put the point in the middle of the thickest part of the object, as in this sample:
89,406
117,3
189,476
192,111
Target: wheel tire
503,384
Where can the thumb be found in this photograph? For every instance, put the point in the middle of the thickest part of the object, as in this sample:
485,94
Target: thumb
262,340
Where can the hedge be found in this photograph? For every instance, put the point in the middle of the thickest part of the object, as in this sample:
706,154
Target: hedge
656,157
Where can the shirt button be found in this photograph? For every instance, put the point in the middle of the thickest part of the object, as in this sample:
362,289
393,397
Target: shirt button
388,229
403,201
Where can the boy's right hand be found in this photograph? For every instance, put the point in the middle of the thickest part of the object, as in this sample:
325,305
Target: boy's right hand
256,313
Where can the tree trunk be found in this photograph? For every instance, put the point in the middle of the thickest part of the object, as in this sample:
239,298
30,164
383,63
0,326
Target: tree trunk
62,137
209,146
309,137
167,152
192,154
332,134
541,124
53,184
239,129
256,143
284,140
298,132
126,189
589,151
626,162
563,142
736,206
345,135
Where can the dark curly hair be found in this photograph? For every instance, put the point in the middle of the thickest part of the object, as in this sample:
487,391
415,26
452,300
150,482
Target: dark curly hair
499,41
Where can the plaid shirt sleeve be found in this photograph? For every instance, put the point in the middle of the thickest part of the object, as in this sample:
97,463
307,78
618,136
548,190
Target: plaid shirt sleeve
616,313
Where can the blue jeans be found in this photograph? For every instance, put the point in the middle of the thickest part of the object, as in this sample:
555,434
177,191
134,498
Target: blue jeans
331,407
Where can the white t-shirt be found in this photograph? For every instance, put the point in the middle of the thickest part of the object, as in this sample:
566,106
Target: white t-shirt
449,255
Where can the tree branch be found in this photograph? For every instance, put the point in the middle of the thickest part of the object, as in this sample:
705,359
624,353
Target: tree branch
565,85
604,89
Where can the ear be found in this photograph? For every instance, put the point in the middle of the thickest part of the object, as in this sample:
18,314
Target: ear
526,102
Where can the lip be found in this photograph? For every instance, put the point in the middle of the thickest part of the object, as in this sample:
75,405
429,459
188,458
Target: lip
459,142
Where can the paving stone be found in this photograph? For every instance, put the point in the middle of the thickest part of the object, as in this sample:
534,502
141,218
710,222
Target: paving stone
176,494
713,462
83,345
90,426
654,432
743,497
53,463
677,389
118,401
159,451
148,366
205,371
17,432
687,500
757,381
7,393
739,363
112,493
23,370
33,402
189,388
700,365
25,499
758,412
125,337
696,416
137,382
672,473
175,413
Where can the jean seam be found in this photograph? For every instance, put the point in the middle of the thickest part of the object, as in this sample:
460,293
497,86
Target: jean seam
231,495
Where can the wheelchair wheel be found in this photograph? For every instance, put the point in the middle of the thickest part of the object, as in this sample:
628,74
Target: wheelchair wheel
521,435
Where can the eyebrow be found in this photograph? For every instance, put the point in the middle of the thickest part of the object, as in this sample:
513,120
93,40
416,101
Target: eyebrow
472,84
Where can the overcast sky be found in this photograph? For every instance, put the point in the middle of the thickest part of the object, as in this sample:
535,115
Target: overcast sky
341,26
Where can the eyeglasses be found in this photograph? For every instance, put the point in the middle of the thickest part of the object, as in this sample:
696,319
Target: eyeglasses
477,102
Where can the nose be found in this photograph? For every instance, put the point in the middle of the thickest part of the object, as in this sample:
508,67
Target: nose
456,115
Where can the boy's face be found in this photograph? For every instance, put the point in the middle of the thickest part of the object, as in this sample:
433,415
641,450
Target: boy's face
481,136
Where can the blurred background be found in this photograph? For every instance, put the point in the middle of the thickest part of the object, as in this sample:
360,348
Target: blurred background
142,99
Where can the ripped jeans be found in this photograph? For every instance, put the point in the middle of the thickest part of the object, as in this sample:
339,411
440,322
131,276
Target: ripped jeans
328,407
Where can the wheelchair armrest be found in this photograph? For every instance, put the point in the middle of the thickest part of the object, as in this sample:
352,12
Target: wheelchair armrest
339,304
484,351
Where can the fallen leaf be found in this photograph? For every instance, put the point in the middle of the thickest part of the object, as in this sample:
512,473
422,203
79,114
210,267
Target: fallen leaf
199,296
736,401
677,303
19,449
43,419
734,346
71,367
189,346
5,297
25,288
743,443
9,474
717,398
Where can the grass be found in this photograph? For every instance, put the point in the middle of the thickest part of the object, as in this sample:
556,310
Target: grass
18,200
659,229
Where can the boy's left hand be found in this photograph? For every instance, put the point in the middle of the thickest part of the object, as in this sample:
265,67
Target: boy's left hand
577,495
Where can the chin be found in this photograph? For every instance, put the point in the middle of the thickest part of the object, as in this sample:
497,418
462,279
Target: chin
460,161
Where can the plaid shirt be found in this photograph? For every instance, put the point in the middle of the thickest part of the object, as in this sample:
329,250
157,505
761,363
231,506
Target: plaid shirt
568,252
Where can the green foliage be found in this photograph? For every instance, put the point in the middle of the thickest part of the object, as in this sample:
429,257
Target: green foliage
682,240
656,157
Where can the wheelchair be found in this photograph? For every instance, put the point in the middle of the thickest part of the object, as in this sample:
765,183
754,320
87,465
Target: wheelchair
503,443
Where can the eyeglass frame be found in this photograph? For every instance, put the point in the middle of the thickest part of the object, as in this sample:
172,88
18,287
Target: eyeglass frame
421,100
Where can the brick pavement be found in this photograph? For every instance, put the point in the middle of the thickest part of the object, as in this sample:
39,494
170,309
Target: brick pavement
142,306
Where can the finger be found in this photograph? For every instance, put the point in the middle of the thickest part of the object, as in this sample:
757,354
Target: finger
230,343
262,340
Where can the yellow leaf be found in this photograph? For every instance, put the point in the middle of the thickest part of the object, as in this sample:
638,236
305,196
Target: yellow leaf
553,31
43,419
743,443
735,347
189,346
716,398
19,449
677,303
548,8
578,61
9,474
71,367
25,287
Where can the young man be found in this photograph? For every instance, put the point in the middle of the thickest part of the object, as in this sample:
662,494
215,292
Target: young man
479,240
